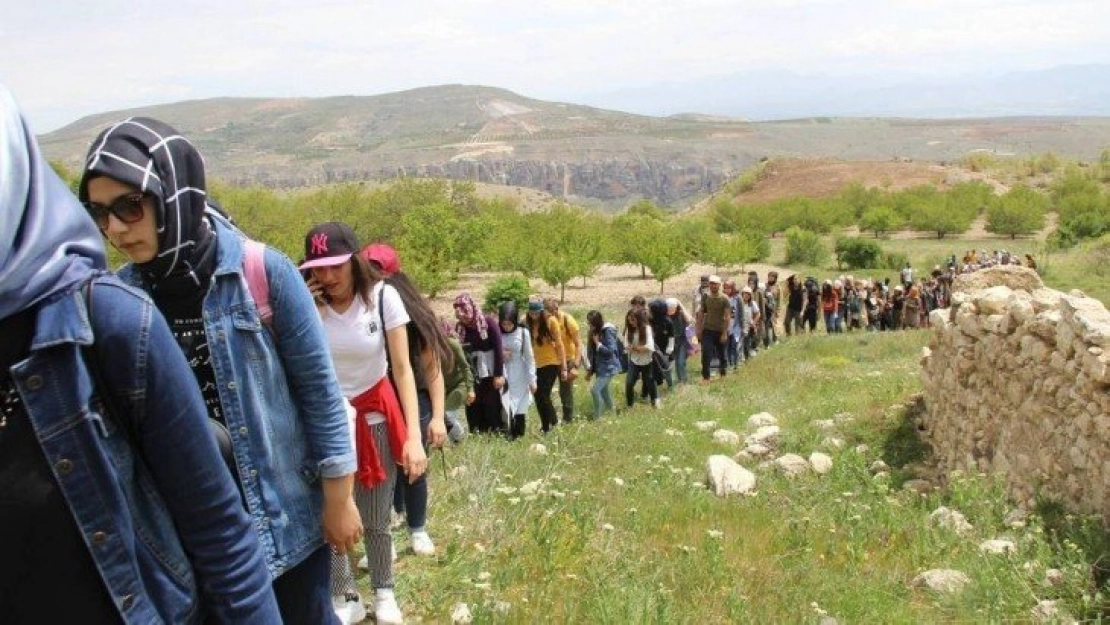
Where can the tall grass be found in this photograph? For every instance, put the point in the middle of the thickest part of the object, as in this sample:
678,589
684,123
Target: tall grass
620,528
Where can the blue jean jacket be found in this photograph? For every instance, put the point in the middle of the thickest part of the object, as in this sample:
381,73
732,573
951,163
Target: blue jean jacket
284,410
126,506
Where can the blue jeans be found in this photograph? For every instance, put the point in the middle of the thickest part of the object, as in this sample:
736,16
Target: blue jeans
412,499
679,366
304,591
603,398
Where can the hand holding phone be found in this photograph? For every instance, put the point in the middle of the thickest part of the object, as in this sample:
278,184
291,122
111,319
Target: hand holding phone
315,288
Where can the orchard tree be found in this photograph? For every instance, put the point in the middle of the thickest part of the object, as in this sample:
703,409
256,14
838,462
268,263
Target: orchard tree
1020,211
669,257
569,244
632,237
879,219
432,243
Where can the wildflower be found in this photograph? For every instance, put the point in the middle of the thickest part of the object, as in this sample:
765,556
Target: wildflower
715,533
618,481
608,527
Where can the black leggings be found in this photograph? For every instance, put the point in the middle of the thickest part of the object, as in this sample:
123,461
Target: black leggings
545,382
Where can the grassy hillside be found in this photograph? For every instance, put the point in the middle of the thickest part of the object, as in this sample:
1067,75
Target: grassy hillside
613,523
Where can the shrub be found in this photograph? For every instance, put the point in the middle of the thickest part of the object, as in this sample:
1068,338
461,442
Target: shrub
804,247
857,253
507,289
894,260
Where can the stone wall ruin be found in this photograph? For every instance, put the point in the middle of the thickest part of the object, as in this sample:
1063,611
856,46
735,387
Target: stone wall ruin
1017,383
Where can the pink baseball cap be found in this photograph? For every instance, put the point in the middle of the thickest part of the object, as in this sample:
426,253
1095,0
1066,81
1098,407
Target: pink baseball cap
385,257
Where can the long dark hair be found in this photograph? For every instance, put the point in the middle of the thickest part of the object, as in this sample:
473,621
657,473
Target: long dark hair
639,315
540,328
364,276
596,321
429,334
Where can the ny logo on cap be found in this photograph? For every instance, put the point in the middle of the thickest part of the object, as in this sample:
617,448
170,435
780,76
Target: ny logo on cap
320,243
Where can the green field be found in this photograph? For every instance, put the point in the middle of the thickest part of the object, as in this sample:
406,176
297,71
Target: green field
620,528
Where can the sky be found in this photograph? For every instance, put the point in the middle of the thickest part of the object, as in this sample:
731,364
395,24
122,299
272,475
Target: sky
67,59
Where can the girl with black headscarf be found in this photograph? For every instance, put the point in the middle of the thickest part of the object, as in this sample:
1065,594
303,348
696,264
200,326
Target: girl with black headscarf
520,369
270,384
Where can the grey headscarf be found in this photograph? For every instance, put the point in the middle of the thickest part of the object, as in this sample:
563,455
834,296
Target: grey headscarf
48,243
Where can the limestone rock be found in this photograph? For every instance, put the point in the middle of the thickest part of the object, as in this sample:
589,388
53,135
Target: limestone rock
821,463
792,465
460,614
726,437
942,580
994,301
1010,276
1047,611
765,435
950,519
725,477
1053,578
761,419
878,466
997,546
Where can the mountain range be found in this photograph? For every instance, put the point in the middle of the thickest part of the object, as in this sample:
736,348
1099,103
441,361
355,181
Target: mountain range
581,153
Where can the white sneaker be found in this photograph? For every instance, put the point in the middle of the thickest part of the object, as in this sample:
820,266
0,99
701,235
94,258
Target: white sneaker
349,609
422,544
658,403
386,610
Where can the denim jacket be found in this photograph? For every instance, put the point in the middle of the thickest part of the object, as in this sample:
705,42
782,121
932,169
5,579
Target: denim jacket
281,400
603,357
140,514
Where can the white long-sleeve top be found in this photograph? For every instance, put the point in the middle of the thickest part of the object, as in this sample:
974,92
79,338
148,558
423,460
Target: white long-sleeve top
639,357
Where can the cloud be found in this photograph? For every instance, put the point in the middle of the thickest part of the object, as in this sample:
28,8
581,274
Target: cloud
113,54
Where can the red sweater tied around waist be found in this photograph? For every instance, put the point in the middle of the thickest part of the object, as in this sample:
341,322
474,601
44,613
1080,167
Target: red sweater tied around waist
381,398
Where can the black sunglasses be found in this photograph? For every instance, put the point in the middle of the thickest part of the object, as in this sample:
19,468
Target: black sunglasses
128,208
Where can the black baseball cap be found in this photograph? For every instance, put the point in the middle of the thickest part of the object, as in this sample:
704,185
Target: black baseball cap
328,244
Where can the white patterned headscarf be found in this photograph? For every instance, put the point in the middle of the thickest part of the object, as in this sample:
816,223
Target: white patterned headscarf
156,159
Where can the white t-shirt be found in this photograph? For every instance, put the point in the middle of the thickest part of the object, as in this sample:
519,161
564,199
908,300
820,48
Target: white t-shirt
355,339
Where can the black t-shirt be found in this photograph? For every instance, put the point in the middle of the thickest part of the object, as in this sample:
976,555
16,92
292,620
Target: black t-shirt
46,572
186,320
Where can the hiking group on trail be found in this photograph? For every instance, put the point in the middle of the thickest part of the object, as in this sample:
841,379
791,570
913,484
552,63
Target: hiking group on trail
319,388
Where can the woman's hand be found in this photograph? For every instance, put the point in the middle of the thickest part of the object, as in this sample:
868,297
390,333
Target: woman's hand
532,389
413,459
342,525
316,289
470,397
437,432
498,382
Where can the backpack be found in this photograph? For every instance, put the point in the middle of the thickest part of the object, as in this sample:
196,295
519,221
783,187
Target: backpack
258,284
622,356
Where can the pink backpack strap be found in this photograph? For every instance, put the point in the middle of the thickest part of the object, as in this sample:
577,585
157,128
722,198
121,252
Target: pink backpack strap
254,270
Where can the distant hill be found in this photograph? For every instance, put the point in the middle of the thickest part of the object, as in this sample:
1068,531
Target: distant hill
1069,90
576,152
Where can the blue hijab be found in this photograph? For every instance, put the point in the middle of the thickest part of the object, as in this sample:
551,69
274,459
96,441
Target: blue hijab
48,243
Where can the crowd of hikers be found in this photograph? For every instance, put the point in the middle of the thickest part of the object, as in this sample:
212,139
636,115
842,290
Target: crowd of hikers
320,388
